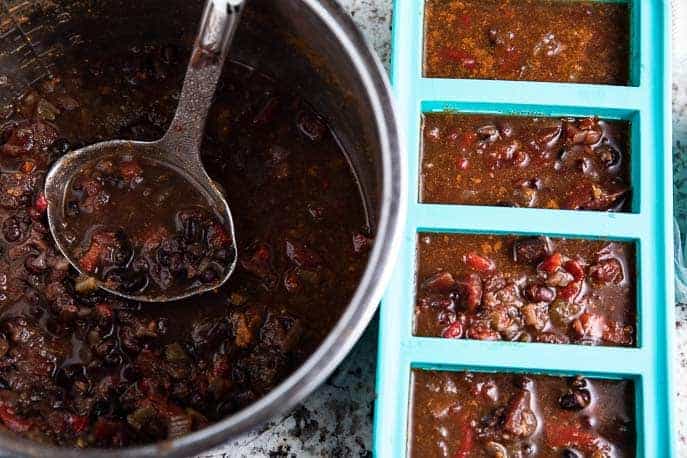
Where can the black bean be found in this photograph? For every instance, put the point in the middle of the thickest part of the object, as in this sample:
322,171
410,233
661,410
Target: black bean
135,282
531,250
209,276
578,382
59,148
575,399
72,209
610,157
14,229
123,251
539,293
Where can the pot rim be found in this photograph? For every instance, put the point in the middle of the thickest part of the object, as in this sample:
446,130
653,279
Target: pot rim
362,305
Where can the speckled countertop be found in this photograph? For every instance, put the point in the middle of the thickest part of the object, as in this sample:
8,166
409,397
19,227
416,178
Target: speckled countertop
336,420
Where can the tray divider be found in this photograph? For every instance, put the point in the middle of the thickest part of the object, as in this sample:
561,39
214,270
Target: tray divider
536,94
504,220
517,356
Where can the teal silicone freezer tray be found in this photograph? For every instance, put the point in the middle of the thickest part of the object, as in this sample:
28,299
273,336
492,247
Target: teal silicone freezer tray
646,104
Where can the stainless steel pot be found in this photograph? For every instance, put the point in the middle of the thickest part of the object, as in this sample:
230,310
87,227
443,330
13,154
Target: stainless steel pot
311,43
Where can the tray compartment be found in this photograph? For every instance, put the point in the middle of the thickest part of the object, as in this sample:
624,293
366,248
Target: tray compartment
460,41
440,414
456,119
608,303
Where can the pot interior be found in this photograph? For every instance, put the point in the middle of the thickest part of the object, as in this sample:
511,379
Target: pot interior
278,37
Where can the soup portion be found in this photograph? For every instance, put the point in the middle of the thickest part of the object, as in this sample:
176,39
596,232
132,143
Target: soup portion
532,40
79,367
514,161
475,415
142,228
527,289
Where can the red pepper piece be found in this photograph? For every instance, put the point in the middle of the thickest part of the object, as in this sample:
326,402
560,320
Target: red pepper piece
479,263
481,331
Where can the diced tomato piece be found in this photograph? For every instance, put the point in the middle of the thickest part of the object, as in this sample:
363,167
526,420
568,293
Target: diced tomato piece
13,421
78,423
361,243
618,334
130,169
551,263
607,271
482,331
219,237
453,331
100,242
570,291
27,167
153,237
562,435
104,311
479,263
575,270
41,203
91,260
467,435
589,324
465,20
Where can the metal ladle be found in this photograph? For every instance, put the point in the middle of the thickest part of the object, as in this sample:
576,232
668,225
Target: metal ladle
179,147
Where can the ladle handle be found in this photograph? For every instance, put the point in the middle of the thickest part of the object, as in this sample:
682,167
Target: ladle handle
217,27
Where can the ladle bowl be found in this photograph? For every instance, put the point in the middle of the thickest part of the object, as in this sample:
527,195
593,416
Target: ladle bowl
178,149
